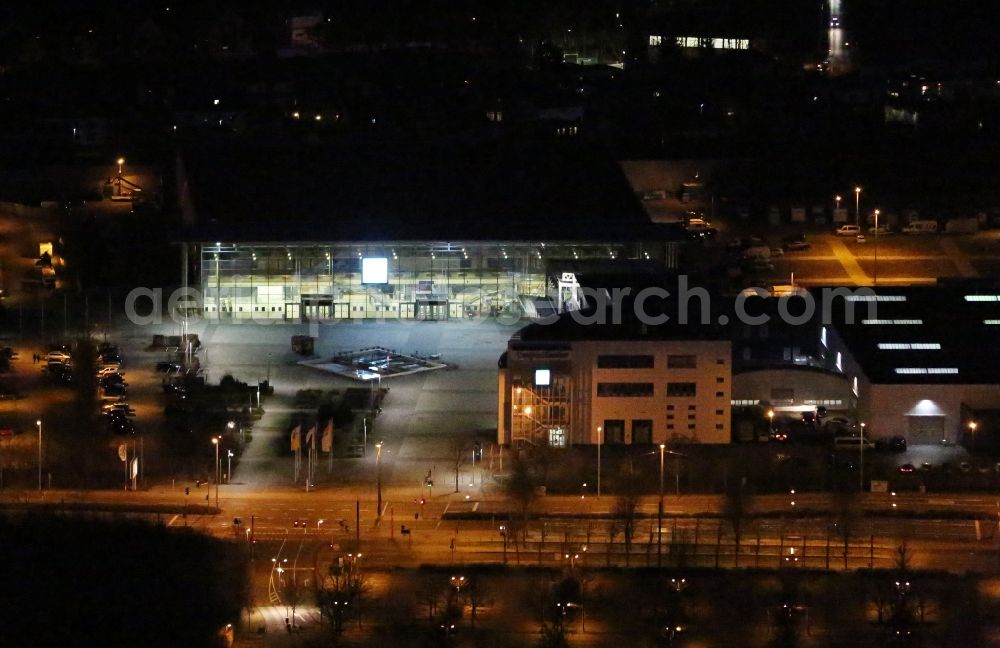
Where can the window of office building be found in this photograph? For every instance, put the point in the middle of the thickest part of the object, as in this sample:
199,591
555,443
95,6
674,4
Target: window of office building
682,389
624,362
682,361
624,389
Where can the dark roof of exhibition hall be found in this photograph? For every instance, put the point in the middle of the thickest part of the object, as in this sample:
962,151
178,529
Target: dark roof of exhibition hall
944,334
394,190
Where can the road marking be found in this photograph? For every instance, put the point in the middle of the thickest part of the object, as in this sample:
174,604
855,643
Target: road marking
848,262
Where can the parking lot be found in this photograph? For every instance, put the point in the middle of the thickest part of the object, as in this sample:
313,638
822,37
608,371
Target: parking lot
895,259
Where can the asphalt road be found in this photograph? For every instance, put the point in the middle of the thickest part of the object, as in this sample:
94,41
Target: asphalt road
329,517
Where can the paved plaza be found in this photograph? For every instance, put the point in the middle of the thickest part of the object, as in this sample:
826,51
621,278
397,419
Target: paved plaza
422,411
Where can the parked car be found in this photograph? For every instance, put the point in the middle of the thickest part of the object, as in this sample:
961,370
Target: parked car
739,244
758,264
112,408
115,390
795,243
115,382
848,230
837,424
906,468
891,444
702,234
852,442
881,230
58,356
921,227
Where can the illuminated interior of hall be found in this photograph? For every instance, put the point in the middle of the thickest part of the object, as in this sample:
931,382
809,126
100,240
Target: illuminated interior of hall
423,280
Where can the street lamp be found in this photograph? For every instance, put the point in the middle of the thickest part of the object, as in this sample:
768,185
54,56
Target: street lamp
770,421
836,200
378,469
857,204
972,428
875,271
121,162
600,442
861,458
229,466
38,423
218,468
659,513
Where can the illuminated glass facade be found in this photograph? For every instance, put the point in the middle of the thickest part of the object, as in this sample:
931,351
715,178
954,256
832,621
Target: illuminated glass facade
425,280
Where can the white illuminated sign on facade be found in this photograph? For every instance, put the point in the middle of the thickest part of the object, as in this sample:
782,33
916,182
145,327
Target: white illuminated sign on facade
374,270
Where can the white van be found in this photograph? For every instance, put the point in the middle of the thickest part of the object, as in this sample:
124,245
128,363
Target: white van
921,227
852,442
848,230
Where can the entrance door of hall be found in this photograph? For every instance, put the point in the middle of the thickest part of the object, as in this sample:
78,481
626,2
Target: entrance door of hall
291,312
312,312
432,310
925,430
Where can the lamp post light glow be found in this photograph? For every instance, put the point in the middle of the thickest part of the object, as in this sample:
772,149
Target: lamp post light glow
857,205
659,513
861,458
121,163
38,424
875,271
770,421
600,442
378,477
218,468
836,200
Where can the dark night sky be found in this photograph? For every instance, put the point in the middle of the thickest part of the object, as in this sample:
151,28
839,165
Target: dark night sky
887,30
